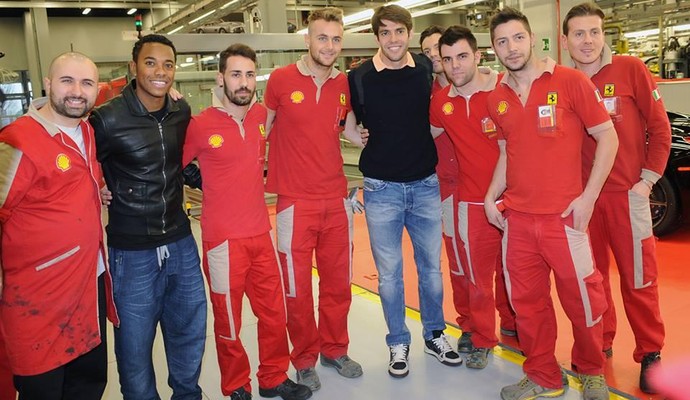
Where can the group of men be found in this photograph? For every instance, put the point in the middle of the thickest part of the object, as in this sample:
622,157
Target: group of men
508,169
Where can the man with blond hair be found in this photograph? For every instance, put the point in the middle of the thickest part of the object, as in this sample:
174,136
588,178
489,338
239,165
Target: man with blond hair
308,108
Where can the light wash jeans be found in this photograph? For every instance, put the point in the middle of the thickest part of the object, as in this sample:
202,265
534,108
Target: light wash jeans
151,286
415,205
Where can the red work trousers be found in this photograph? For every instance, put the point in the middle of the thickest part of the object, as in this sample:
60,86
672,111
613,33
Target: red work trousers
622,221
481,261
453,245
235,267
322,229
533,247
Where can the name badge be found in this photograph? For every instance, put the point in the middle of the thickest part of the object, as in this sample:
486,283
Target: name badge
547,121
489,127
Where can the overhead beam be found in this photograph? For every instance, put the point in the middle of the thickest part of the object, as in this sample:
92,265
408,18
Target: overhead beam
89,4
185,15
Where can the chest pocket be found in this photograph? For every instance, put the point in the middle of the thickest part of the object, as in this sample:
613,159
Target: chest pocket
549,120
132,194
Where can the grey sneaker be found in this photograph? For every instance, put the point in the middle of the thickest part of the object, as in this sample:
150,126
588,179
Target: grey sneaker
508,332
526,390
478,358
608,353
594,387
345,366
465,343
309,378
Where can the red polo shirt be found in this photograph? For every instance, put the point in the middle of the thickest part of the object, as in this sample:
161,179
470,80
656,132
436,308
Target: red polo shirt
640,119
476,147
544,137
231,155
304,159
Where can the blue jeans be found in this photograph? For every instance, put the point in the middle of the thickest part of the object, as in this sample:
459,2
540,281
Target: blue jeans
415,205
150,287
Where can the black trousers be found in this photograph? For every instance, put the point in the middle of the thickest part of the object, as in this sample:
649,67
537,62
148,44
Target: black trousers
83,378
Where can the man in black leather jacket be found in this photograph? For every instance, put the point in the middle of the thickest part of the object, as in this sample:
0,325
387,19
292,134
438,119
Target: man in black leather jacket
153,256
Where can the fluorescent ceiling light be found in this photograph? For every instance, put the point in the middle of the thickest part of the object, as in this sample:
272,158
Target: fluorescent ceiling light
85,11
228,4
202,17
409,4
638,34
131,11
179,28
412,3
655,31
189,59
207,58
368,13
358,17
185,65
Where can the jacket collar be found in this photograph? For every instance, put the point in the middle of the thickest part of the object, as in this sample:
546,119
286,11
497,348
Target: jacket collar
135,105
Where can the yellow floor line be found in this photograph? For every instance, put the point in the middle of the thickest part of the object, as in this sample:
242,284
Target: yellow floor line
498,351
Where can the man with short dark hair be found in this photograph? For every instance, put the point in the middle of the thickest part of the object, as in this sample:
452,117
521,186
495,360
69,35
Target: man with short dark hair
229,141
543,112
390,96
447,172
461,111
52,270
153,255
621,220
455,231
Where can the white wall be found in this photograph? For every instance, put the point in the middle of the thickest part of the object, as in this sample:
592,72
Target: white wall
12,44
675,95
98,38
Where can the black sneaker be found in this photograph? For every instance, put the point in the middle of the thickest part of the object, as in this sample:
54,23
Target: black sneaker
648,361
288,390
240,394
439,347
397,367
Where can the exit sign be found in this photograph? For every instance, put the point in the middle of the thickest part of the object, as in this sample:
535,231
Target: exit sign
546,44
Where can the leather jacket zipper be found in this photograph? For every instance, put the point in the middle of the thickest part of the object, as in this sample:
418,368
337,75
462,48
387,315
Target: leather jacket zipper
165,180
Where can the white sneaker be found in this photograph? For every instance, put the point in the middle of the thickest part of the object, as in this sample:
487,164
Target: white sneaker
397,367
